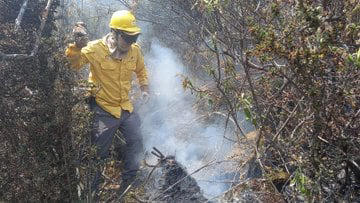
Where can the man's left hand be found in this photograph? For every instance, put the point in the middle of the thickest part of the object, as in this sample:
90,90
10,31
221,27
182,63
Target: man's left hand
145,96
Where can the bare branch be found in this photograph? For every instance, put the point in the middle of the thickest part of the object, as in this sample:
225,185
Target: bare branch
13,56
257,7
287,120
20,16
42,25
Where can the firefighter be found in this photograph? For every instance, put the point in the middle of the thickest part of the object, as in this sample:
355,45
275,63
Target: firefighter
113,59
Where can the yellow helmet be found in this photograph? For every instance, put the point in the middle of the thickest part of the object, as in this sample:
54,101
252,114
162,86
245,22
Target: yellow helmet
124,20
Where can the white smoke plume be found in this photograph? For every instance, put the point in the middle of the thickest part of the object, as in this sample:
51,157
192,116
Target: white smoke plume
171,124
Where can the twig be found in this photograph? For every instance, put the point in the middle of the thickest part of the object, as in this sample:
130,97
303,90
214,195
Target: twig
230,107
246,64
286,182
214,181
231,140
355,165
287,120
228,118
138,199
127,190
322,139
20,16
252,88
283,160
355,116
257,7
151,172
112,197
13,56
297,126
264,68
159,154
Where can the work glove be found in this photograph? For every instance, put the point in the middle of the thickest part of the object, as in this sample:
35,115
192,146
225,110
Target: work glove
80,34
145,96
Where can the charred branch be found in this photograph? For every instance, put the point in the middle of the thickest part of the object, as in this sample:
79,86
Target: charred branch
157,153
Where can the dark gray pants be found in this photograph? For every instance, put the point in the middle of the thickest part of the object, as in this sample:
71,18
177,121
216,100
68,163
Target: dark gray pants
104,128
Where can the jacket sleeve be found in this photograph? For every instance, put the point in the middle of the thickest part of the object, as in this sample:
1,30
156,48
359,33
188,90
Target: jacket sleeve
76,57
141,72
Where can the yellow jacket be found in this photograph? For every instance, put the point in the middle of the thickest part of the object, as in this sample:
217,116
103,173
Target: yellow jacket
112,77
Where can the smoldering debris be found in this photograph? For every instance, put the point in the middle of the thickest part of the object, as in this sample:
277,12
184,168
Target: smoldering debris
175,183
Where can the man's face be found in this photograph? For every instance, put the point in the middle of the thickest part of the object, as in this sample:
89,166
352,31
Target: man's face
122,45
124,40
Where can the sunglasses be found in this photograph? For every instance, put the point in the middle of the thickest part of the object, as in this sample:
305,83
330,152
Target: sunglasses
129,39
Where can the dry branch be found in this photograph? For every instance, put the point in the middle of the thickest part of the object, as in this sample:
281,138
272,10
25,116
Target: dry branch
13,56
42,25
157,153
287,120
20,16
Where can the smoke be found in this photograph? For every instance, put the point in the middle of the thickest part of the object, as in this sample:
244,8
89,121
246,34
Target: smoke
170,122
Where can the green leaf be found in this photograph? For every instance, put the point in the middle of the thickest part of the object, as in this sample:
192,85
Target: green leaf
247,113
210,102
300,181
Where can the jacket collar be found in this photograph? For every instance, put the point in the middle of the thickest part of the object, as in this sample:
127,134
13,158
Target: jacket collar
107,41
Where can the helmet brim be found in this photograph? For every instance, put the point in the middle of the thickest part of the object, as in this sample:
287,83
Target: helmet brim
129,31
